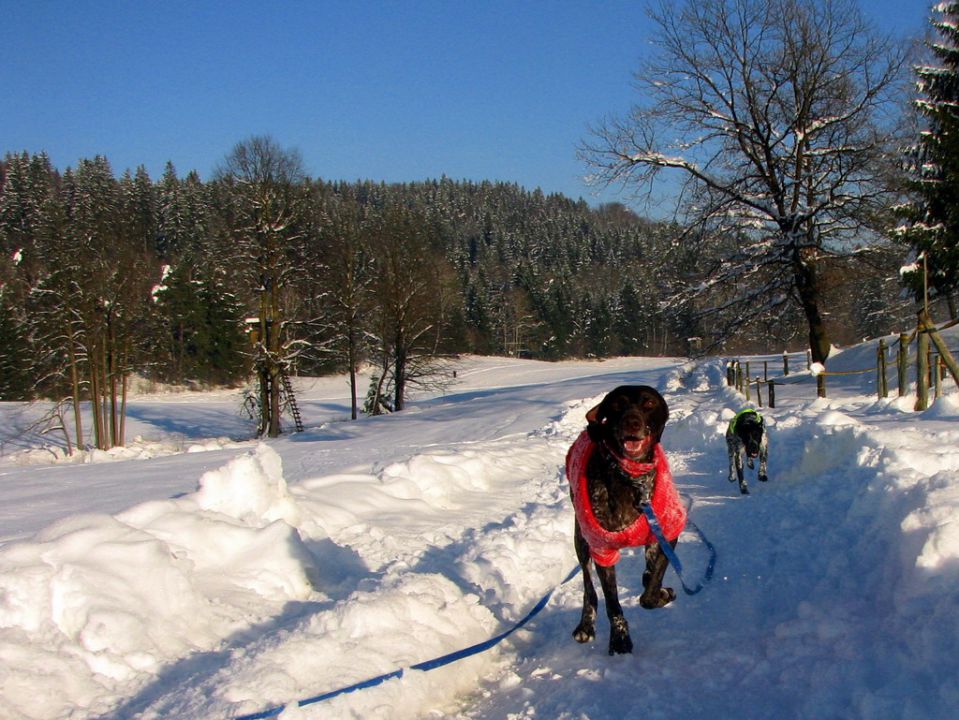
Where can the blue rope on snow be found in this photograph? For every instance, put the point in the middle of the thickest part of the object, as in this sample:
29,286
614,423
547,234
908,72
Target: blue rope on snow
673,558
426,665
487,644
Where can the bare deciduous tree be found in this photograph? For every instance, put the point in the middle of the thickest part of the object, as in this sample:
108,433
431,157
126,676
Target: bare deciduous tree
348,273
265,183
777,119
412,304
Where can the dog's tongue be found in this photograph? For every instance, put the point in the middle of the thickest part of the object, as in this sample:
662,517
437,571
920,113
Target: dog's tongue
634,448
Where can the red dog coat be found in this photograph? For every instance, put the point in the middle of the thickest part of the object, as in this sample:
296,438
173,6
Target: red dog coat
604,545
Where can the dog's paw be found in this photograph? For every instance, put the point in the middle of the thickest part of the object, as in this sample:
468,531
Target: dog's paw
651,601
763,478
620,642
584,633
743,488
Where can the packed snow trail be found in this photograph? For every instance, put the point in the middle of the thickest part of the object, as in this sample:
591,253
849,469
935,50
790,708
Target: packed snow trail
814,572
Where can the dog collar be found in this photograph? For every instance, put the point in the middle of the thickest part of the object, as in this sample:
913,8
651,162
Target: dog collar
632,468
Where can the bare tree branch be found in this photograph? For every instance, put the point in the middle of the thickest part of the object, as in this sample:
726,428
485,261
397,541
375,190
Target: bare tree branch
776,116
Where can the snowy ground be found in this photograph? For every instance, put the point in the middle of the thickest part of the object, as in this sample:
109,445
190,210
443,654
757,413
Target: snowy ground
201,575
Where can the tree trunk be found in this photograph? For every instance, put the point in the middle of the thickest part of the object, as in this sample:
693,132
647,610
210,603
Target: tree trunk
399,379
112,369
351,358
264,378
123,409
102,381
276,347
96,395
378,392
804,270
274,400
75,385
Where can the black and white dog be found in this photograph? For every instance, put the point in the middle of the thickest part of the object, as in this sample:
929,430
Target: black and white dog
746,436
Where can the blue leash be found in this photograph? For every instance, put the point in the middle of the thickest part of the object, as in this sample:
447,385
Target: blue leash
426,665
496,640
671,555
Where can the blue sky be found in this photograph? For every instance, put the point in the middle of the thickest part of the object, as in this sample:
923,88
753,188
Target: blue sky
394,91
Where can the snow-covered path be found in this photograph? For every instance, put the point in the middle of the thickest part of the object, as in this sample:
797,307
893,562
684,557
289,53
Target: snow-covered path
834,592
356,549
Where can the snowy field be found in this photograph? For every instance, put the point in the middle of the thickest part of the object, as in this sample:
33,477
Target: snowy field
198,574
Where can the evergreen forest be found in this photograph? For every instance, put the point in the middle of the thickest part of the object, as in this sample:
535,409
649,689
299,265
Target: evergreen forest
157,277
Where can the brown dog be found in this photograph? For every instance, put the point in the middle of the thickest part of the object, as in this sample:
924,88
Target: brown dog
614,468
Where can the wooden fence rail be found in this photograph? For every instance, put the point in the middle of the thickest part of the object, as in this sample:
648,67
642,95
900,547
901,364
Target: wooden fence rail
930,368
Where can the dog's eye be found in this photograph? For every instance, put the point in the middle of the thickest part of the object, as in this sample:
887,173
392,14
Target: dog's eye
649,403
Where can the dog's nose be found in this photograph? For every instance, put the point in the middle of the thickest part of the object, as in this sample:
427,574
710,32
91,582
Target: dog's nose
633,424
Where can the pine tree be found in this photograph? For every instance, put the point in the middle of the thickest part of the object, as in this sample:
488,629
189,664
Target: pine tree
932,219
24,192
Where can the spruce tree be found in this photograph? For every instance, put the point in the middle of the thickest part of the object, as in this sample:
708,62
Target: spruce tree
932,218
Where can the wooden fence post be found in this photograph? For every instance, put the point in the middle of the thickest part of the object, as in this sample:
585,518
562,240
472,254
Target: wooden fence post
922,369
785,363
759,393
772,393
903,362
937,376
926,323
881,369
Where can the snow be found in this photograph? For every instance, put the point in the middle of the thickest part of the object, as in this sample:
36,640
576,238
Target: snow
910,268
212,576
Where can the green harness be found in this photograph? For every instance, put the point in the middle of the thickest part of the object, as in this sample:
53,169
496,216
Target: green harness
747,411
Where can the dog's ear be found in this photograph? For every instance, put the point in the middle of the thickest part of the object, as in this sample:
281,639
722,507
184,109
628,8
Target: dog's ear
594,423
593,415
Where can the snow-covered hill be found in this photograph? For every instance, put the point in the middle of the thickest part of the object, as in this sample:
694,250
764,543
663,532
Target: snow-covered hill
216,577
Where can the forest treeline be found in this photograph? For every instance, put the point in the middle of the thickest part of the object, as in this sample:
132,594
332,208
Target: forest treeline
178,279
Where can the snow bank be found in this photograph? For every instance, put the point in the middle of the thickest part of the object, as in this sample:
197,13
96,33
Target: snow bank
122,597
102,603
